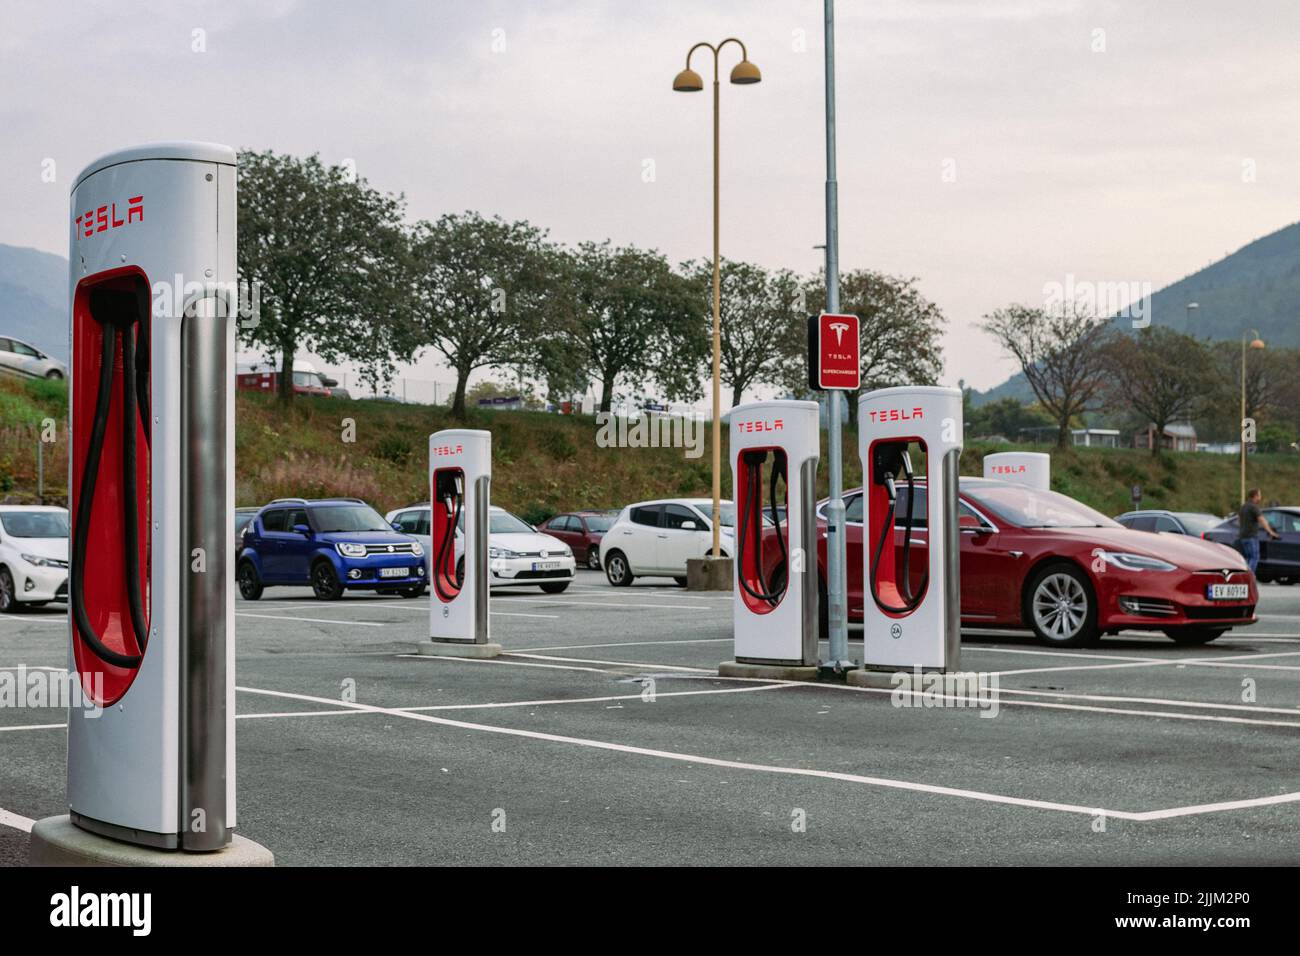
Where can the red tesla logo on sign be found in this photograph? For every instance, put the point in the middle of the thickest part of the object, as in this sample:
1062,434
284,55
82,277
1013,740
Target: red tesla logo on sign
837,351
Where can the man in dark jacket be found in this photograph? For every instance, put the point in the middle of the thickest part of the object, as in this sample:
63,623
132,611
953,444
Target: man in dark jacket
1250,519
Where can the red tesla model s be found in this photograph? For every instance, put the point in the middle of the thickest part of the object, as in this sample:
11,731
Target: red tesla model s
1042,561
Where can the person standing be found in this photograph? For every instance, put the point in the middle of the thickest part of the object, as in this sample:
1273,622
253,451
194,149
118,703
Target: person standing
1250,519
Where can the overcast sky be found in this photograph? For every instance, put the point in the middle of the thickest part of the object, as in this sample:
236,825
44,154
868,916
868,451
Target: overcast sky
986,147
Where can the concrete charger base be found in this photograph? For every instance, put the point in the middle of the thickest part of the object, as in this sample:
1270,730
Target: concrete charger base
709,574
57,841
909,679
453,649
768,671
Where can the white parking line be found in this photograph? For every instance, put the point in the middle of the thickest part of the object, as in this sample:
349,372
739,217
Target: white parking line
582,660
584,647
309,620
594,700
498,660
615,604
16,822
885,782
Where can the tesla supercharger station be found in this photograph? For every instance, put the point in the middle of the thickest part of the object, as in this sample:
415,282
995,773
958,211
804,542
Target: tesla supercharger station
774,452
911,604
1032,468
151,417
460,478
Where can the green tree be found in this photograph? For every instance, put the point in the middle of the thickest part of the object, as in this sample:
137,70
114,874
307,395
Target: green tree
480,286
633,319
900,333
328,253
756,309
1061,355
1162,375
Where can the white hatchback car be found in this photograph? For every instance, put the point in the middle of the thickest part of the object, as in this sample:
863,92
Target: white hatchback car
657,537
33,556
518,554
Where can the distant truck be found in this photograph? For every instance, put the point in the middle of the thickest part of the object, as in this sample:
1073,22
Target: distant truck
306,380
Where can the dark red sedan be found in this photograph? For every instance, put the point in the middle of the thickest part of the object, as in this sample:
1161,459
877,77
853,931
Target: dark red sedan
1041,561
581,531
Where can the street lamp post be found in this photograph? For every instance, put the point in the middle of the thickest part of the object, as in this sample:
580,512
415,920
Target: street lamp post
1255,343
688,81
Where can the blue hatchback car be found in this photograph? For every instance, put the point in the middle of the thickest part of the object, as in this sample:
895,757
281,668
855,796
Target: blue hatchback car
332,544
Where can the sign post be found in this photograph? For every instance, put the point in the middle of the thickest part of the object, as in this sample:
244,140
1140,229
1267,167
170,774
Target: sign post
834,366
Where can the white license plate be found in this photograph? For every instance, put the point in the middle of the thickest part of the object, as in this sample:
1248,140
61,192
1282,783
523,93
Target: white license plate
394,572
545,565
1229,592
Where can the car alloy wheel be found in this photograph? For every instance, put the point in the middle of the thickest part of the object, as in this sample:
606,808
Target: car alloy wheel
1060,607
617,571
8,602
324,583
593,558
250,588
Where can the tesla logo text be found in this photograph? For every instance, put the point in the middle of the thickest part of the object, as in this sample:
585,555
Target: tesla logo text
1009,469
106,217
897,414
448,450
775,425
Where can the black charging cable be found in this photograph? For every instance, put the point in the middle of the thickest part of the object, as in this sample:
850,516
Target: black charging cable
911,601
753,461
453,503
115,313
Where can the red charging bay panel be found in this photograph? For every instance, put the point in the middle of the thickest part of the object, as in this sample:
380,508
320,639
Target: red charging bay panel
443,574
104,582
749,568
889,571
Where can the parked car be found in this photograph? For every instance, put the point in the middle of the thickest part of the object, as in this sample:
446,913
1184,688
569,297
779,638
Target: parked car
262,378
242,517
582,532
518,554
1278,560
19,358
33,556
1041,561
331,544
1195,523
658,537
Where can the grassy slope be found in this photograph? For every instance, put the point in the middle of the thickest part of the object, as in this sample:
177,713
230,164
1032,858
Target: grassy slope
544,463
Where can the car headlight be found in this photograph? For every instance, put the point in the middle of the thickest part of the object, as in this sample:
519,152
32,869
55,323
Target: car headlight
502,553
350,550
1135,562
567,552
417,549
41,562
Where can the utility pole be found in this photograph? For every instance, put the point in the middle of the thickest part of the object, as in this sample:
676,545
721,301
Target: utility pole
837,612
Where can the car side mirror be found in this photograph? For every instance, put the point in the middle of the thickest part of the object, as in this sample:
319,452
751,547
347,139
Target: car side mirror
396,526
303,530
969,524
688,525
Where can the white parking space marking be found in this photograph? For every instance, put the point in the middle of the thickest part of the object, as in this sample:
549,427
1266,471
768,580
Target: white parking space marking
595,700
584,647
4,730
309,620
14,821
498,660
616,604
885,782
583,660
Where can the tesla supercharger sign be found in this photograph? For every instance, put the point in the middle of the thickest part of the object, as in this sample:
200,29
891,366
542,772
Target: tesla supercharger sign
833,352
1032,468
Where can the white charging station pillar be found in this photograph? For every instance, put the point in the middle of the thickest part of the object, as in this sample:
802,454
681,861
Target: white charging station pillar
912,585
774,604
460,479
151,472
1031,468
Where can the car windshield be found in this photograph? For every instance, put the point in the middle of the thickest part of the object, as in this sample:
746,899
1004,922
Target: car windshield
599,522
503,522
1197,524
1031,508
356,517
35,524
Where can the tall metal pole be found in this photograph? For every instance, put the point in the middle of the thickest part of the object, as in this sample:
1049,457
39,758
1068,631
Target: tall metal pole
717,335
1242,435
835,551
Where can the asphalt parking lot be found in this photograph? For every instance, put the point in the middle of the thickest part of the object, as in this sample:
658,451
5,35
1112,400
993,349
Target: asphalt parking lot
605,736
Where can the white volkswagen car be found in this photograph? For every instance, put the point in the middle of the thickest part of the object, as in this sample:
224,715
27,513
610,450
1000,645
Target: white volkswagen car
657,537
33,556
518,554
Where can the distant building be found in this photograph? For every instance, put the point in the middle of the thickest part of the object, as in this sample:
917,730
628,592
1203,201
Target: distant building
1085,437
1178,437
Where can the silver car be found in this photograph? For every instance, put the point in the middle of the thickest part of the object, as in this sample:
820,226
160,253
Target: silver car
19,358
